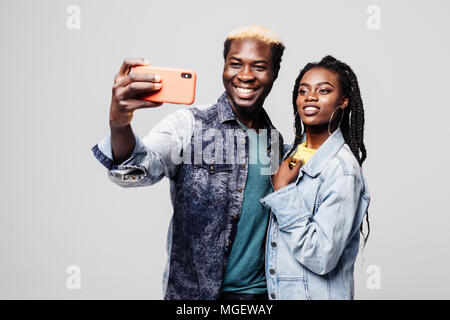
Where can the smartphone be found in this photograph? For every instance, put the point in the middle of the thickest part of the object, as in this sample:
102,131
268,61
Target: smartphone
177,85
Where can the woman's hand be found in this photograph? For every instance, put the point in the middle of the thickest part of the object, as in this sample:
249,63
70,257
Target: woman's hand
286,173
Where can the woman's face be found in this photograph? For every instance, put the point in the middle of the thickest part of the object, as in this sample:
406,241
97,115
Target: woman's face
319,94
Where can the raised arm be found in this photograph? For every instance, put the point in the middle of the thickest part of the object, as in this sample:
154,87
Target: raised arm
125,100
132,162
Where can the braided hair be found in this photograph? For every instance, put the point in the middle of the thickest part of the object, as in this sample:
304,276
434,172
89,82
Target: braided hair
352,125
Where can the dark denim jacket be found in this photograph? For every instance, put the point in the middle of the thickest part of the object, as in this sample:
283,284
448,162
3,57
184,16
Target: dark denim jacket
204,152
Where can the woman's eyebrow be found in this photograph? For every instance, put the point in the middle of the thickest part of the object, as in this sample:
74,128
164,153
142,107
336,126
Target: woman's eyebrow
325,82
318,84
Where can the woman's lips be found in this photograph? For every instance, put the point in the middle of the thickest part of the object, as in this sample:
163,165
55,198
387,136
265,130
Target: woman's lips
310,110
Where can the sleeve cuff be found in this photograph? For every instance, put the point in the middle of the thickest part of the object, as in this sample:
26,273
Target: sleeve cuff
103,152
285,206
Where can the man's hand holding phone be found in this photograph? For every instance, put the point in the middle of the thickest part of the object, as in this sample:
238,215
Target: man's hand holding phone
127,90
137,86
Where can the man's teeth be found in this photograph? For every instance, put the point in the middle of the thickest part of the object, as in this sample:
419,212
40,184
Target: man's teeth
245,90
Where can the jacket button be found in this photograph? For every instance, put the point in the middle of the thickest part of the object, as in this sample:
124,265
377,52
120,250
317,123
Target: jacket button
273,244
243,165
271,271
235,216
212,168
239,190
273,296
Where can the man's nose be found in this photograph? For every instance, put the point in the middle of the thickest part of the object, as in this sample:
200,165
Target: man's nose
246,74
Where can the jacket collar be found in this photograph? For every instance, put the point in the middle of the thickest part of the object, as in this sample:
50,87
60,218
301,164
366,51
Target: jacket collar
324,154
226,112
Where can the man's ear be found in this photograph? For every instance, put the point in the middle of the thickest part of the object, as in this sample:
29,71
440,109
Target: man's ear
275,73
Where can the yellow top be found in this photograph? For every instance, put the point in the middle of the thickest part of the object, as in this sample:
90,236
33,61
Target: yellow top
303,153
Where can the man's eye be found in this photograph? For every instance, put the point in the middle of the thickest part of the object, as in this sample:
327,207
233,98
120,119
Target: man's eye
260,68
235,64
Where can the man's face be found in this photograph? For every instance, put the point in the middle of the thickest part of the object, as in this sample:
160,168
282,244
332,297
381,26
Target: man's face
248,74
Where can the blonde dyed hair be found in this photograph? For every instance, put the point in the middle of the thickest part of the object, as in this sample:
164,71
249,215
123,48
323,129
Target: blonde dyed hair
264,34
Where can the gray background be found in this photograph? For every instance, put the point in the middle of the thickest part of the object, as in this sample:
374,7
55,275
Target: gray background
58,207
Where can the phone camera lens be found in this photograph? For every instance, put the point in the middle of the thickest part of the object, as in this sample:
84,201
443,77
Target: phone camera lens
186,75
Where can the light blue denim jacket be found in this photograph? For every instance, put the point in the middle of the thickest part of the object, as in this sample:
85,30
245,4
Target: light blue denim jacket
313,237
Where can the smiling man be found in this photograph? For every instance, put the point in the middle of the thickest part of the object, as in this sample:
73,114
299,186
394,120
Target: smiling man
216,238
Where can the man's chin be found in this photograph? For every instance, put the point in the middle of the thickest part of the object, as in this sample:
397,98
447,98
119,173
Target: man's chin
247,108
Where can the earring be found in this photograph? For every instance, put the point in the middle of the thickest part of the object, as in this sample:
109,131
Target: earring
293,126
342,116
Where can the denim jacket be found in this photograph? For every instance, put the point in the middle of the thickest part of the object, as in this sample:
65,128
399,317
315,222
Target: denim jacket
204,153
313,237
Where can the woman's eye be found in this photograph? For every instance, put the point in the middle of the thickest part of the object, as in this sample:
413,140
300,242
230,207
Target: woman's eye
235,64
302,91
324,91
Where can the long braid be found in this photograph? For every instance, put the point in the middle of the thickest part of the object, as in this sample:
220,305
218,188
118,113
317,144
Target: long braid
352,124
298,122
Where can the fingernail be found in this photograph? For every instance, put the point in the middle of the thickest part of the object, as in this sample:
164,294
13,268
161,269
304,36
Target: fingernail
146,62
157,85
157,77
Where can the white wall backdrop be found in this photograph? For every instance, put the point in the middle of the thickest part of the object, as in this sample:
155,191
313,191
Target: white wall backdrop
59,58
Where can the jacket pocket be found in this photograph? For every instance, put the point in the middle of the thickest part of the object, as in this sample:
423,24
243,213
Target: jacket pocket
291,288
317,287
210,182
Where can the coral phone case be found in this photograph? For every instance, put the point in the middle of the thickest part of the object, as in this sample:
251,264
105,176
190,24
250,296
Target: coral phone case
178,85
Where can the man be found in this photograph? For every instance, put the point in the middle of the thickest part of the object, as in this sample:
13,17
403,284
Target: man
217,159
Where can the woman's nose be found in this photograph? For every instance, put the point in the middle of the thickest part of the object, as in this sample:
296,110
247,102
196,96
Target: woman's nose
311,97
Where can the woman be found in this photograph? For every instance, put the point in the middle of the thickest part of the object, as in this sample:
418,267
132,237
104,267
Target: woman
320,194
